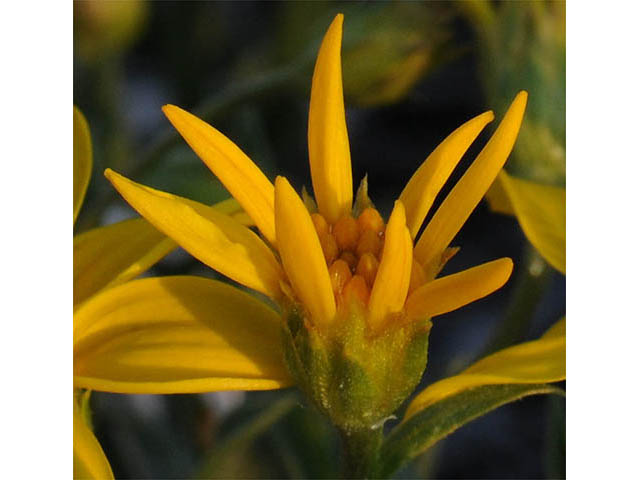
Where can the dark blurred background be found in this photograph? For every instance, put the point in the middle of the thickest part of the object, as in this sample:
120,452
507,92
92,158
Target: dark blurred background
413,72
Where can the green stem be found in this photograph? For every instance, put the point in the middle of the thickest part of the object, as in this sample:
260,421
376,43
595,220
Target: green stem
360,452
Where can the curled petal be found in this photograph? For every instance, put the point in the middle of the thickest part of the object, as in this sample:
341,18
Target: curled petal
329,155
421,190
244,180
449,293
467,193
301,254
391,285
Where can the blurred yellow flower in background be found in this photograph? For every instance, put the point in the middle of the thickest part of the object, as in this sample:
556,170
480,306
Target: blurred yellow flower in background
540,210
107,28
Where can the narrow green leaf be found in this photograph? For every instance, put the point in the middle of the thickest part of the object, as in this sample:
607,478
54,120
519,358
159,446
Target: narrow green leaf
421,431
220,461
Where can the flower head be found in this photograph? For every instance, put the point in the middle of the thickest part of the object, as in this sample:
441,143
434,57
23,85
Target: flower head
356,293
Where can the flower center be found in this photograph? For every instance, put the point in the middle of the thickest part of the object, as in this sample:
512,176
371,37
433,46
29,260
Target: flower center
353,248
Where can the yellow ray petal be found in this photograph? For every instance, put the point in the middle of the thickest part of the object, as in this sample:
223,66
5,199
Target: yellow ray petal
211,237
541,212
301,254
454,291
233,209
329,154
82,159
244,180
538,361
89,460
421,190
391,285
114,254
468,192
107,256
177,335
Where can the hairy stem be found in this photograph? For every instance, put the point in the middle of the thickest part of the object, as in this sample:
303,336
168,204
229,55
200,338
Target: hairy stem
360,452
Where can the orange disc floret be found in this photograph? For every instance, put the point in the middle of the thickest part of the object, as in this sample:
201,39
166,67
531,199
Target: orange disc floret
356,290
352,249
350,258
368,268
370,219
369,243
329,247
339,274
345,230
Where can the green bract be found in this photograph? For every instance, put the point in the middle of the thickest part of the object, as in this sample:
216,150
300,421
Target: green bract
355,379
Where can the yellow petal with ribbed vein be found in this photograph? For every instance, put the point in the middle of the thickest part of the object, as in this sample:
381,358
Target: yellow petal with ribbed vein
213,238
107,256
467,193
329,154
391,285
301,254
89,461
177,335
244,180
114,254
538,361
421,190
459,289
541,211
82,159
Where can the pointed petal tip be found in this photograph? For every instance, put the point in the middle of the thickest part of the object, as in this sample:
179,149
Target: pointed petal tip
520,101
400,206
169,108
114,177
487,116
109,174
172,111
280,183
507,266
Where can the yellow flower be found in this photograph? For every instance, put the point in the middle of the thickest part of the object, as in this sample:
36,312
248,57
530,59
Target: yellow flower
353,296
541,211
103,258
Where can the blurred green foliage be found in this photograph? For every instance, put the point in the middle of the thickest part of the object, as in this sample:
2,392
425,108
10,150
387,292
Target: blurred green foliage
103,29
522,46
